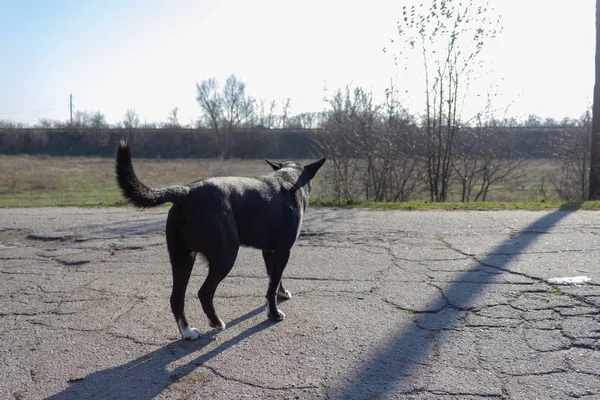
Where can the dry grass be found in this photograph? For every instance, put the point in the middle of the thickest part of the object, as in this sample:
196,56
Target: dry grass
28,181
531,182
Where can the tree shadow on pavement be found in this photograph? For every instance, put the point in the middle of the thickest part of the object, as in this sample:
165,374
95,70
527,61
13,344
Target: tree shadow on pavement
147,376
392,369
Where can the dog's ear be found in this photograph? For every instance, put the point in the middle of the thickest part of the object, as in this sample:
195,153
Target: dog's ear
274,165
314,167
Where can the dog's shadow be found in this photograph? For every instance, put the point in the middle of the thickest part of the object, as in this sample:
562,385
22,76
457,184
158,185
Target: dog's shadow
147,376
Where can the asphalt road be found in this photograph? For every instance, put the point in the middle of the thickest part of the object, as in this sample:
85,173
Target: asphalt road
409,305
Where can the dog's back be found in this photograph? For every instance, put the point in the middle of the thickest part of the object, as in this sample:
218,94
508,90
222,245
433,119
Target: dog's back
267,210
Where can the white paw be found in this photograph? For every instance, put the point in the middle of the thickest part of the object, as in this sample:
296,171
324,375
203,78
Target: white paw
220,326
187,332
190,334
274,316
284,294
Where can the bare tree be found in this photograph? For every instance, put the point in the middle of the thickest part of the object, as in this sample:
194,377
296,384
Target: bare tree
45,123
237,108
248,112
594,178
498,161
82,119
98,125
98,119
209,99
131,121
285,112
149,125
372,148
50,123
573,150
271,117
304,120
449,35
10,130
402,147
363,119
485,155
338,142
266,114
173,119
225,111
262,116
467,163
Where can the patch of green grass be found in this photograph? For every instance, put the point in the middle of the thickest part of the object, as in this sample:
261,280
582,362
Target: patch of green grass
555,291
444,243
94,197
455,206
86,195
575,297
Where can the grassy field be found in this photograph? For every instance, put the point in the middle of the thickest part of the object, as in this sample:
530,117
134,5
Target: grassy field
471,206
35,181
31,181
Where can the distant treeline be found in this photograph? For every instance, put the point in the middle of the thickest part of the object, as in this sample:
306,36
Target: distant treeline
529,142
155,143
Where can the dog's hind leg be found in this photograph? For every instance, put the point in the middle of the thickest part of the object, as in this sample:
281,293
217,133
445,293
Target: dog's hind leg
182,268
182,262
219,265
268,256
278,263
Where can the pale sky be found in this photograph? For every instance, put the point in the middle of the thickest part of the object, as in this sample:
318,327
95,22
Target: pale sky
147,55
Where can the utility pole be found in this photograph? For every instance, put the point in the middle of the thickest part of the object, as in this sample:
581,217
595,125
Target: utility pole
71,107
594,193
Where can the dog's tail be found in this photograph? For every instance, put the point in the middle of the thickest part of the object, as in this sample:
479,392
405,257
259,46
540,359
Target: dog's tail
135,191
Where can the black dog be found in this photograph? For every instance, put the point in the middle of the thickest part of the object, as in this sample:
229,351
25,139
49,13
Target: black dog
215,216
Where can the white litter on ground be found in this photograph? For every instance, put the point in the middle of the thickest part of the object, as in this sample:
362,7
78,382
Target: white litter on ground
569,280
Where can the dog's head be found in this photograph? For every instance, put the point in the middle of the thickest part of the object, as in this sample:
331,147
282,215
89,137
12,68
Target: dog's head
311,169
305,173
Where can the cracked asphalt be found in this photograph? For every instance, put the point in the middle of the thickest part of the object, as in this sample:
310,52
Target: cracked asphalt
407,305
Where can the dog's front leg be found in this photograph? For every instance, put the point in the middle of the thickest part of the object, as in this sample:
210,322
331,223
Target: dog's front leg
280,259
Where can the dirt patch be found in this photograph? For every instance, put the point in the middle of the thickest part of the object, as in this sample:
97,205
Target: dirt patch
12,237
23,238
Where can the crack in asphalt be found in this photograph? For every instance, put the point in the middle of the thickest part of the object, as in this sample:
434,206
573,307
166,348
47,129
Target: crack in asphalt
216,372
